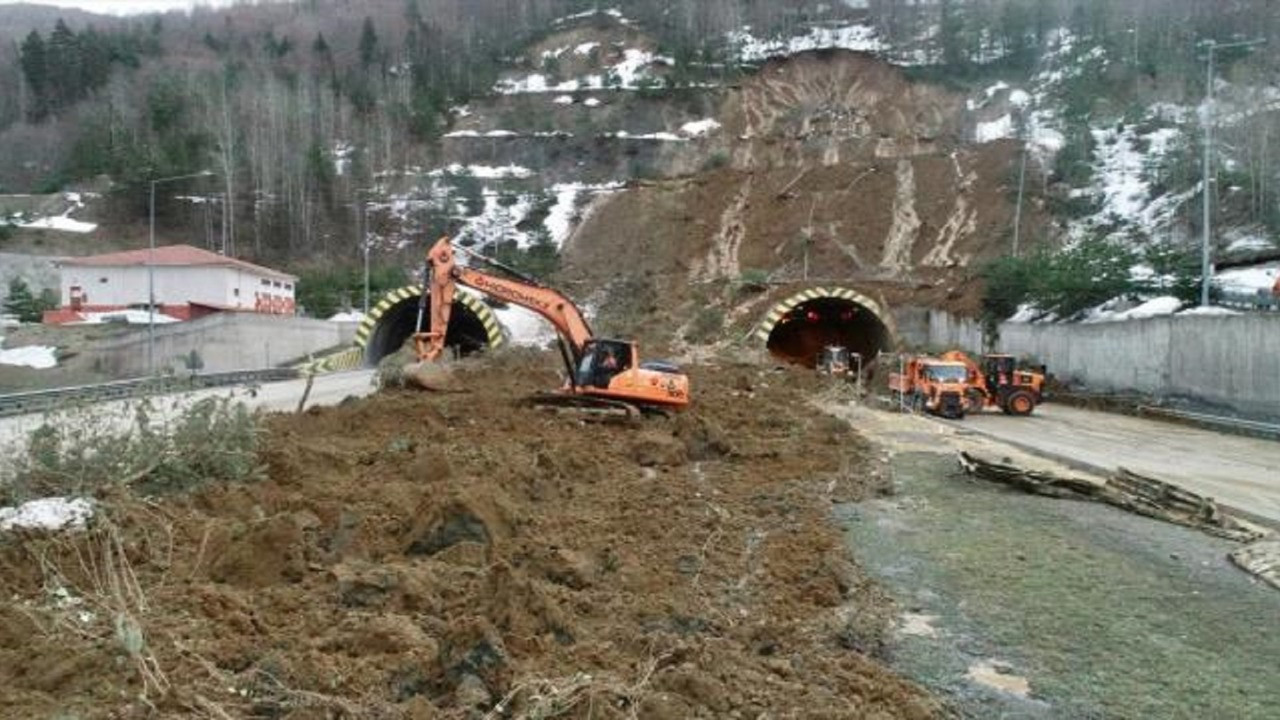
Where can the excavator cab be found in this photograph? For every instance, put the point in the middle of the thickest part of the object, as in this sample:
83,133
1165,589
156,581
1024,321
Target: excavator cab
602,360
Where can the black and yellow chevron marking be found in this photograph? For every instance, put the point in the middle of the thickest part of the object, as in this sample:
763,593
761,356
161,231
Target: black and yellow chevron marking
348,359
777,312
412,292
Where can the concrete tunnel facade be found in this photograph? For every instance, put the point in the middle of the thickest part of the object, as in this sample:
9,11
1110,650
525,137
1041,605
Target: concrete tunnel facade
796,329
391,321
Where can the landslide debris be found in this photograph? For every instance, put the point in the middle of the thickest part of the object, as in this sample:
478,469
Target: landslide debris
451,555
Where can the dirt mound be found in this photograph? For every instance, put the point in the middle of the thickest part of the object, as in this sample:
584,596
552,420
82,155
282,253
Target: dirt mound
420,555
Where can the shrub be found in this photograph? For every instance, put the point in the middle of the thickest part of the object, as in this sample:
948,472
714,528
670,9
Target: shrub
215,440
26,306
706,325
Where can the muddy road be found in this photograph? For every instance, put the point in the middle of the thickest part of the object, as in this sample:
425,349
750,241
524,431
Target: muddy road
1022,606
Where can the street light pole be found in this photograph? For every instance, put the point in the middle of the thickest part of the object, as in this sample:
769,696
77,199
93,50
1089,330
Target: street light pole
364,215
151,266
1206,265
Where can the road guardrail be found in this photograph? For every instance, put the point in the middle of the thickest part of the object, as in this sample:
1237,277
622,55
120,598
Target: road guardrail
22,403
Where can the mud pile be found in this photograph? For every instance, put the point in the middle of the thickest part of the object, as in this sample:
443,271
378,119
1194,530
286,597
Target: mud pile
417,555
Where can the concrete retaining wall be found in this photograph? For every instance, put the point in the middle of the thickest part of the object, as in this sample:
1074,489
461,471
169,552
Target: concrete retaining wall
224,342
1232,360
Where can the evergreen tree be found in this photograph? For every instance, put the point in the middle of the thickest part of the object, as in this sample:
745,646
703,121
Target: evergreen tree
24,305
35,69
66,66
368,43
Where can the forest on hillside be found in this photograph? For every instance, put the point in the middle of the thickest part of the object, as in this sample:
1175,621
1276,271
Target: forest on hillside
297,107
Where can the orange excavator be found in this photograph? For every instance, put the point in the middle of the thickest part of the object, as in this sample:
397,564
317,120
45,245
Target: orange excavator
602,375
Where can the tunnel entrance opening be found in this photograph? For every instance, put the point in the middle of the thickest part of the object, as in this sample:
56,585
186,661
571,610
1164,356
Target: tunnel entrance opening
467,333
802,332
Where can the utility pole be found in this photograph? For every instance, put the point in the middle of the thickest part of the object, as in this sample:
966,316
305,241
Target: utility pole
151,267
1017,211
1206,264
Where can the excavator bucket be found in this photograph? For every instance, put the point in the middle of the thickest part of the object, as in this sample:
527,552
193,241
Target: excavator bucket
432,376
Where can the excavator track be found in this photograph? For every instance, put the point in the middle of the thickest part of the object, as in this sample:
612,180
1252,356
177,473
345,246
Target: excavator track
586,406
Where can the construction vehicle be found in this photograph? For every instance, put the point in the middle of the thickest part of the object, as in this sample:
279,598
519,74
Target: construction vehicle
602,375
999,383
932,385
835,360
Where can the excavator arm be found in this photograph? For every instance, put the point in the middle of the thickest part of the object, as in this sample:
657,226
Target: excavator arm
444,277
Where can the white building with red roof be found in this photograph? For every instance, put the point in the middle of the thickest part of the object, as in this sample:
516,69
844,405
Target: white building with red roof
189,283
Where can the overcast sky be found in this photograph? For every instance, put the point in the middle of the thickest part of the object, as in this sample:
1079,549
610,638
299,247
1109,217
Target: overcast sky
124,7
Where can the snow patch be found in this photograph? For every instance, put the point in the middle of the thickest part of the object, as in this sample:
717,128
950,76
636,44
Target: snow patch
53,513
1155,307
627,74
61,223
40,357
563,100
486,172
1249,280
1210,310
1001,127
591,102
563,215
525,327
699,128
348,316
1242,242
659,136
132,317
861,38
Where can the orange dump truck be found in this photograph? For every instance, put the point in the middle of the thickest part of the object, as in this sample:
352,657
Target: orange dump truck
932,385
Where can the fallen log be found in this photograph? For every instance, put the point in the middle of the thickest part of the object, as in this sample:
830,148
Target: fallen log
1261,559
1124,489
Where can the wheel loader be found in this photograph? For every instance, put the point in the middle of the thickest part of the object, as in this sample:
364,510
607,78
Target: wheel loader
999,383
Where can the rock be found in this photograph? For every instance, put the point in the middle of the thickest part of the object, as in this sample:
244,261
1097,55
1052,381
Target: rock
362,584
469,517
471,692
569,568
658,450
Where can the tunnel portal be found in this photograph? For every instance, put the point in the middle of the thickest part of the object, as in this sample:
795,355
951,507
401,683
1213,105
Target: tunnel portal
797,329
389,324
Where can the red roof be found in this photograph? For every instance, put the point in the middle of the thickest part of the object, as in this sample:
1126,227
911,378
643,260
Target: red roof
173,256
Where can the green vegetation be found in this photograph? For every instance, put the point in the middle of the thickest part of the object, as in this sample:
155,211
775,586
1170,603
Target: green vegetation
1067,282
325,291
27,306
214,440
706,325
539,260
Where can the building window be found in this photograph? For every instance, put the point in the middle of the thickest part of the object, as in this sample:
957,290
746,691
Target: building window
276,283
236,292
266,282
102,280
288,286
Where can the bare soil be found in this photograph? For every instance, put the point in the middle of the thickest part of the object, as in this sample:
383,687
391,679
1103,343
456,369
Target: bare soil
415,555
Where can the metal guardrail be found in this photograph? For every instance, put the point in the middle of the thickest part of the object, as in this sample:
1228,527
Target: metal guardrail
1240,426
32,401
1245,301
